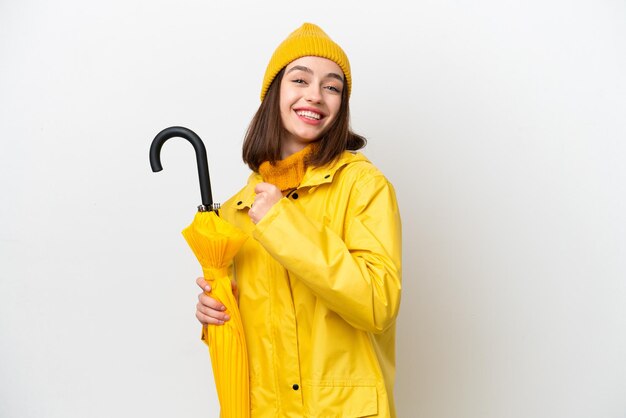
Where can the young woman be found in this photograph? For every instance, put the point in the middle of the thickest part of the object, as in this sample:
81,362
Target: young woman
319,280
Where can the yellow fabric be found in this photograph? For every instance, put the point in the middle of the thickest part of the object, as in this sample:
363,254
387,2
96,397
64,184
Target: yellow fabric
215,242
286,174
319,293
307,40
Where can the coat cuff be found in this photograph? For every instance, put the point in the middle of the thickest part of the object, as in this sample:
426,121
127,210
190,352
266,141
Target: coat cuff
269,217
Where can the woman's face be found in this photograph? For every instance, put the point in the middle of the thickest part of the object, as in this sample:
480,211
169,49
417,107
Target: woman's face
310,98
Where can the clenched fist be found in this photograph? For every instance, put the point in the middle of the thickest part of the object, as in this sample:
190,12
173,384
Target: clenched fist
267,195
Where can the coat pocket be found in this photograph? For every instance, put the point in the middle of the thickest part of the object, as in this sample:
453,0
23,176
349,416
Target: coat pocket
340,399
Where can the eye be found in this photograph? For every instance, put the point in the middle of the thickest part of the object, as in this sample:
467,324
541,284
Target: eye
333,89
298,81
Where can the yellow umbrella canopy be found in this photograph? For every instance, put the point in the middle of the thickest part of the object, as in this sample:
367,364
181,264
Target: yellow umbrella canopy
215,242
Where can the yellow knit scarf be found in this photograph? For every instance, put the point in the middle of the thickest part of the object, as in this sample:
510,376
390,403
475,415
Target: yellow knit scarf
286,174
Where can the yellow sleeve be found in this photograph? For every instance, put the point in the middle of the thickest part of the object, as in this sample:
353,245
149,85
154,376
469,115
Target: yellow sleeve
359,277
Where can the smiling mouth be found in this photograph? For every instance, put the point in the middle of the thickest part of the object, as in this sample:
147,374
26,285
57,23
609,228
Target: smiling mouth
308,114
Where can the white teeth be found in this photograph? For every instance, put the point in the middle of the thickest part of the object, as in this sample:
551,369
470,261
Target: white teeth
309,114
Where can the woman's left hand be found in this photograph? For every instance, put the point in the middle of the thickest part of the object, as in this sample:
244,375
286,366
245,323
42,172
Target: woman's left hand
267,195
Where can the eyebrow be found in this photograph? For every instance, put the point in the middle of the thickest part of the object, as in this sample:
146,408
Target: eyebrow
308,70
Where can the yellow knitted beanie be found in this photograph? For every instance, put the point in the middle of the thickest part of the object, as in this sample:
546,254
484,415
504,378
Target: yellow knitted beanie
307,40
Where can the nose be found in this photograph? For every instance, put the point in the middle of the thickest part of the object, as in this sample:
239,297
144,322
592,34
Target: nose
313,94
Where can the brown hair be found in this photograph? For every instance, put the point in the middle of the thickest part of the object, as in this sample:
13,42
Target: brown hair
265,132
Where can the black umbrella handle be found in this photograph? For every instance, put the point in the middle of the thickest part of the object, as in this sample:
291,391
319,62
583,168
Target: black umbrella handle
201,159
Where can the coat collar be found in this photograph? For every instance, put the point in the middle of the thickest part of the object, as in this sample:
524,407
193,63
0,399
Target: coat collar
313,177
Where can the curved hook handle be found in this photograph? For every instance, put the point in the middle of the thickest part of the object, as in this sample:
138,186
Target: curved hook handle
201,158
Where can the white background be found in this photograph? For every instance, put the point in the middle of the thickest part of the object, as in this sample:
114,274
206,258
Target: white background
502,125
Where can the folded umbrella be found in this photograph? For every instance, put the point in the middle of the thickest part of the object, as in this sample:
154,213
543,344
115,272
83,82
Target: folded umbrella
215,242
